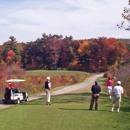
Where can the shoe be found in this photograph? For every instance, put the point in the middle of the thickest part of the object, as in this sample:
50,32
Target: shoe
118,110
47,103
90,109
112,109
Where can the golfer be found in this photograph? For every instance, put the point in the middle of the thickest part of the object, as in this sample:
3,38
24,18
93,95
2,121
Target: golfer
117,92
109,84
48,91
96,89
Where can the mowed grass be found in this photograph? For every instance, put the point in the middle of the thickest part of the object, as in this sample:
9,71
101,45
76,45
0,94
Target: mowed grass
54,72
67,112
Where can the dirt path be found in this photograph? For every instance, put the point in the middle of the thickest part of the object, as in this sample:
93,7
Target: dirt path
80,87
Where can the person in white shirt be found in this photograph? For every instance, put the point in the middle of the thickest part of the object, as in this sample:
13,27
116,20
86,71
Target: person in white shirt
117,92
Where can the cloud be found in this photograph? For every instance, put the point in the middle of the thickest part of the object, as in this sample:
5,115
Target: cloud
27,20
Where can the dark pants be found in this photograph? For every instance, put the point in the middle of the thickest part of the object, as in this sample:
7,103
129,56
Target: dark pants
94,98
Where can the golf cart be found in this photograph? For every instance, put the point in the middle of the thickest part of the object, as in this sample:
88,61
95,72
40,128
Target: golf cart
13,95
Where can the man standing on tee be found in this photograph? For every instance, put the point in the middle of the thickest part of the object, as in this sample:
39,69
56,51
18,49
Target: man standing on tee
48,91
96,89
109,84
117,91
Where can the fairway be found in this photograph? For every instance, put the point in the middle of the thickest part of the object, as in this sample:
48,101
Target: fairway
55,72
67,112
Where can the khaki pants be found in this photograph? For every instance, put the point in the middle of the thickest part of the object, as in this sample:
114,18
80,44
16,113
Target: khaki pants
48,96
94,98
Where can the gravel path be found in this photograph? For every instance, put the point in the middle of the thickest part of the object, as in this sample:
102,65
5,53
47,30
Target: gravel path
80,87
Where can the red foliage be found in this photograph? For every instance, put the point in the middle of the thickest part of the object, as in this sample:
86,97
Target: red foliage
74,66
10,56
11,53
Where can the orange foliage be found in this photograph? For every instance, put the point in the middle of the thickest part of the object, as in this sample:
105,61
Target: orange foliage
84,44
74,66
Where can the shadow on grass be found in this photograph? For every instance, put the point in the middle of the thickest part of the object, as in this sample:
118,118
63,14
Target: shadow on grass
125,109
65,98
75,109
34,102
61,99
72,109
70,98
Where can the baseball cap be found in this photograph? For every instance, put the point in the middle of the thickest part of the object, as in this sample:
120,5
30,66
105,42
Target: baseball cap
48,78
96,82
118,82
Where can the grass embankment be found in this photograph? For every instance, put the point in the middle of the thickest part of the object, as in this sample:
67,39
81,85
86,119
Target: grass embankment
67,112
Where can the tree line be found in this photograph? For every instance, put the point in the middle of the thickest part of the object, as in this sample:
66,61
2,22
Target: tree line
55,51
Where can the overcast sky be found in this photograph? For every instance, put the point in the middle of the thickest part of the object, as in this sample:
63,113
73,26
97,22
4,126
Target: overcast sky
27,20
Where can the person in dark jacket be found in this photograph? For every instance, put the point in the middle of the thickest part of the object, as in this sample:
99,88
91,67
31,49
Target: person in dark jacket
96,89
48,91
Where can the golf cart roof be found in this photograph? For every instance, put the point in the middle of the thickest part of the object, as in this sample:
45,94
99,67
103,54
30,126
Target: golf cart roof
15,80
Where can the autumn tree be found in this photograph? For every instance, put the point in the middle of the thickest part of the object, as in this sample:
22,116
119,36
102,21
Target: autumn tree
99,54
109,52
11,45
52,51
83,55
67,54
32,53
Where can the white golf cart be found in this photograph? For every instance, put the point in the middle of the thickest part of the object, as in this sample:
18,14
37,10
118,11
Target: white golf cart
13,95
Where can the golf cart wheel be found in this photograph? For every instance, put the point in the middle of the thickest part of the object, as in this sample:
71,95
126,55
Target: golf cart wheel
18,101
27,99
4,102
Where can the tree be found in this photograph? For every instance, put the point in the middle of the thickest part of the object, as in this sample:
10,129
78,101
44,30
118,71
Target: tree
126,18
66,53
52,45
21,47
83,55
99,54
11,45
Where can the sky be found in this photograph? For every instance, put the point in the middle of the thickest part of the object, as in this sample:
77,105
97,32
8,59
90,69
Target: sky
27,20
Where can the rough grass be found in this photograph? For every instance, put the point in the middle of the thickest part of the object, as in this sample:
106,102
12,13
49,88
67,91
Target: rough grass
35,80
67,112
